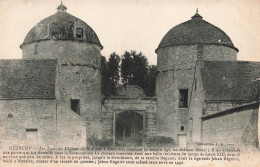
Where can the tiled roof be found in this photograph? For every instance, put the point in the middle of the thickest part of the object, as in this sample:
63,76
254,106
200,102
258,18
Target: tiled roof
27,79
195,31
60,26
230,80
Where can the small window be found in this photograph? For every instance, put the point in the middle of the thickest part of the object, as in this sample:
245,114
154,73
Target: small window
182,128
79,32
31,130
183,99
75,105
35,49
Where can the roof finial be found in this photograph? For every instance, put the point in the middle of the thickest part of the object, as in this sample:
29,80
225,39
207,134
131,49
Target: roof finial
197,15
61,7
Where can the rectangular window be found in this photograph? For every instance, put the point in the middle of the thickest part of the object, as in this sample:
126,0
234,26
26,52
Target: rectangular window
35,49
79,32
75,105
31,130
183,98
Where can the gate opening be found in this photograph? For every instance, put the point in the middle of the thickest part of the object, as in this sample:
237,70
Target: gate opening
129,129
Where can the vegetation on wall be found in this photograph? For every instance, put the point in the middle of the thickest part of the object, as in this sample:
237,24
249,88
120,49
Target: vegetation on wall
130,68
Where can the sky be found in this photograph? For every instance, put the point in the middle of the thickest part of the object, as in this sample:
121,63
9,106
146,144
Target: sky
134,24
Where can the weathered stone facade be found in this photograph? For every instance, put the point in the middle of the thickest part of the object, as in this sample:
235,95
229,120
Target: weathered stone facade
76,77
50,127
129,100
222,107
218,52
176,70
233,126
21,114
204,64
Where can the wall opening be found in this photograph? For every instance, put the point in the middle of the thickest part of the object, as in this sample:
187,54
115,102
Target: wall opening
75,105
31,130
183,98
129,129
79,32
32,137
182,128
35,49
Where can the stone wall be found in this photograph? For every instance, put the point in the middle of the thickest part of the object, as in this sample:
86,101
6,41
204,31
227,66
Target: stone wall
69,51
83,83
55,126
237,126
176,71
19,115
177,57
176,67
71,128
78,76
218,52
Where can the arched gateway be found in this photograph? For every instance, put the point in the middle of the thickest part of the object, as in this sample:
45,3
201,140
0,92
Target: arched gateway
129,118
129,128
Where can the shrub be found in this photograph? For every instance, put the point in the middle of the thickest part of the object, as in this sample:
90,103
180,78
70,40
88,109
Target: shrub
160,141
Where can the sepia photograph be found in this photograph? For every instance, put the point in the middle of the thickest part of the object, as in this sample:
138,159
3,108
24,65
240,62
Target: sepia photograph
129,83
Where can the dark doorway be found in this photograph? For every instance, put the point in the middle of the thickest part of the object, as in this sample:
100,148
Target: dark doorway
129,129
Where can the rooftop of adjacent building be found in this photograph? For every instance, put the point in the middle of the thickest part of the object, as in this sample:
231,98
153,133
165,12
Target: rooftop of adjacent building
21,79
230,80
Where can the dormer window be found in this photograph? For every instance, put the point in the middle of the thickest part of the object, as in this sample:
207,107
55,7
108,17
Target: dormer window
79,32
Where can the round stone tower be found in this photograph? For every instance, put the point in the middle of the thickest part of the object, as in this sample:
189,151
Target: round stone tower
179,53
76,48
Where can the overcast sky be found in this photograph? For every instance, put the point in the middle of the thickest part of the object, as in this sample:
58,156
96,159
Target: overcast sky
134,24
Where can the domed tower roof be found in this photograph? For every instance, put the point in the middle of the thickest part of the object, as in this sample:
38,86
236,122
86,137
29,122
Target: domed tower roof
61,26
196,31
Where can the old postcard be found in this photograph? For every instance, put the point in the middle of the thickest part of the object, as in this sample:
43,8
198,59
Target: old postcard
129,83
